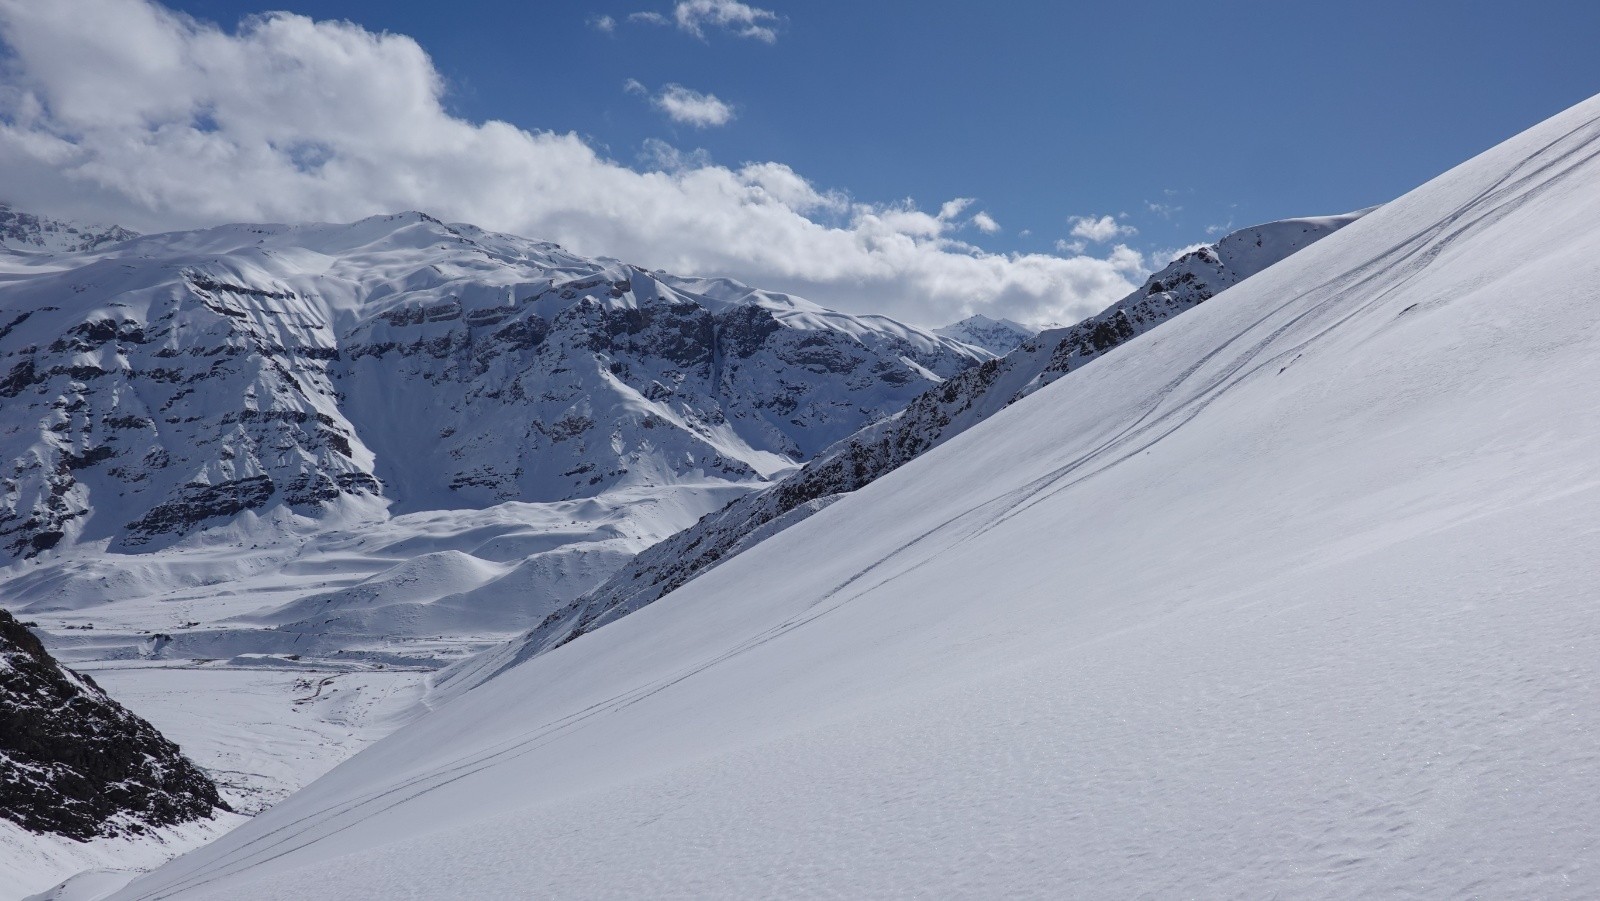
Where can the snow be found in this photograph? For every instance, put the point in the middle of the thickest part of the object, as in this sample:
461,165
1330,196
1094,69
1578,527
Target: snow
441,435
263,731
997,336
1290,597
32,864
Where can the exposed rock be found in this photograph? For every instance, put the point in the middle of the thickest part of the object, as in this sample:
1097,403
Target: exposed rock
73,762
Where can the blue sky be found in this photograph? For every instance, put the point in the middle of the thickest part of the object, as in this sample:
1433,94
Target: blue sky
1177,119
1239,112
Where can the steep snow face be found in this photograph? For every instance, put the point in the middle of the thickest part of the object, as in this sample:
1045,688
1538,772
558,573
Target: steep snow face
41,234
1294,600
934,416
175,382
997,336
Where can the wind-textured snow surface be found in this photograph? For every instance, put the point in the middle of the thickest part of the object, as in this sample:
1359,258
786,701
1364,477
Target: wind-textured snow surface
1295,600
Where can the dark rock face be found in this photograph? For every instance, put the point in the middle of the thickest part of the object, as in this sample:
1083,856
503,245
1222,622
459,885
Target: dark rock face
75,763
933,417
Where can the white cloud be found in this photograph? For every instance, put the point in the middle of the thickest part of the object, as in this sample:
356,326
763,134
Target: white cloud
649,18
1099,230
1158,259
690,107
985,222
604,24
121,110
745,21
1126,259
1065,246
635,86
954,207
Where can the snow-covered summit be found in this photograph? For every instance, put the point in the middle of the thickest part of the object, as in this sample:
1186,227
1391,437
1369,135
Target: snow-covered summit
997,336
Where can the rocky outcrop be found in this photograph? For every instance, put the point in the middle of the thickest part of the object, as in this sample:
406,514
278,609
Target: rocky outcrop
75,763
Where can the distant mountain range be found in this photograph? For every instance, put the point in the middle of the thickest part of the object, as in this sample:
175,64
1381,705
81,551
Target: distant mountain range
997,336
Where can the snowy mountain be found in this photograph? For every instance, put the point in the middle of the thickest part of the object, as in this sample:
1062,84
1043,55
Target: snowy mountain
242,464
42,234
177,381
997,336
333,411
1295,600
935,416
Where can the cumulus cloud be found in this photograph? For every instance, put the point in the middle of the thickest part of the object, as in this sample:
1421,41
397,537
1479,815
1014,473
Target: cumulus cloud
985,222
950,209
1099,229
122,110
695,16
690,107
605,24
1158,259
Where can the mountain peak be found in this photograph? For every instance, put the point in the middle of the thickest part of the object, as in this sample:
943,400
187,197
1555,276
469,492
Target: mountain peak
997,336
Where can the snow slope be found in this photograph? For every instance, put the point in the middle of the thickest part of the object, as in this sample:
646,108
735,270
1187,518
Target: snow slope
1295,600
931,418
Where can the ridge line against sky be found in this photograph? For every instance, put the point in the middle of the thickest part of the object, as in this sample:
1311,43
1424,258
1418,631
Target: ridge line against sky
683,136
